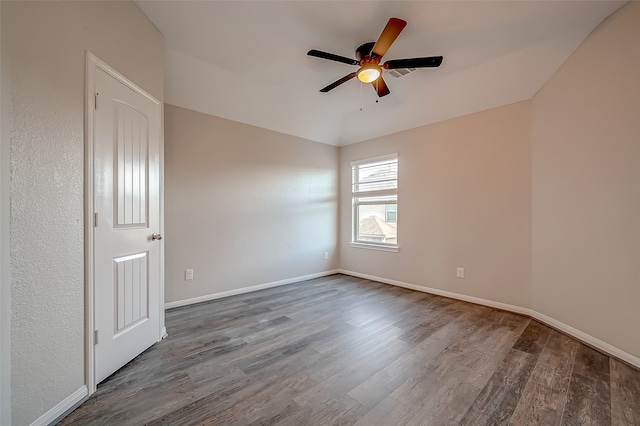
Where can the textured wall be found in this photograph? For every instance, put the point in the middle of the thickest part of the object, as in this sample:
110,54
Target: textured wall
586,186
244,205
47,43
5,284
464,200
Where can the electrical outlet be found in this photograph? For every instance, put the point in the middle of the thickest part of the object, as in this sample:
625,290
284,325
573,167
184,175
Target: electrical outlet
326,255
188,274
460,273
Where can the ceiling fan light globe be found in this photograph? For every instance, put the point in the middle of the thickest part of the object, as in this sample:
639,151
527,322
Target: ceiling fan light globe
368,75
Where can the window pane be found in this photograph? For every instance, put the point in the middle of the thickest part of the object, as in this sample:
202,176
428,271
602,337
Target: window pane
391,212
375,176
374,226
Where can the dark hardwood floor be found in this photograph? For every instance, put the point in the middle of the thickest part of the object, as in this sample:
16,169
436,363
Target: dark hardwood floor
340,350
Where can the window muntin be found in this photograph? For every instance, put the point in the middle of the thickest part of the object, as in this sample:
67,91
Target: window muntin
375,201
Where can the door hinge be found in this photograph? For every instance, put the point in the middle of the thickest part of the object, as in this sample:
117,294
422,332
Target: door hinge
95,219
95,337
96,101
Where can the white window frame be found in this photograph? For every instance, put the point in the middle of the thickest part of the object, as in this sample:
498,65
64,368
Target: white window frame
355,203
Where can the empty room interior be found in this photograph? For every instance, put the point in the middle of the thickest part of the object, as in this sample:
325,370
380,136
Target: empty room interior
320,212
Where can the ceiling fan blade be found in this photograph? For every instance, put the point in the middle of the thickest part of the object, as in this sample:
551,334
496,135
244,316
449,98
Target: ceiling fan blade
338,82
332,57
381,87
389,34
429,62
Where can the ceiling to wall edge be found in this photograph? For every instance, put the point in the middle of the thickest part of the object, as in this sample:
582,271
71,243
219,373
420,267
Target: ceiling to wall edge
201,85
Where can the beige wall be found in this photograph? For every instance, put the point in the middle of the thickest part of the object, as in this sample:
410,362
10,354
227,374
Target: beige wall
5,284
464,201
244,206
586,186
46,45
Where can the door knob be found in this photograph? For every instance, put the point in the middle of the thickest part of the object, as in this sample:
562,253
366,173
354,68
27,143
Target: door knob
156,236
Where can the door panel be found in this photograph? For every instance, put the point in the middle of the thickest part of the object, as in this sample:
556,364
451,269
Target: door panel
131,166
132,289
127,201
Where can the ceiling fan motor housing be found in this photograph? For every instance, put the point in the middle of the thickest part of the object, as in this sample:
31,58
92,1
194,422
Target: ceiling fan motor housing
364,50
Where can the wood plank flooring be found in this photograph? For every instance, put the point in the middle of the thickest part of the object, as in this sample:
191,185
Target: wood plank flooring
340,350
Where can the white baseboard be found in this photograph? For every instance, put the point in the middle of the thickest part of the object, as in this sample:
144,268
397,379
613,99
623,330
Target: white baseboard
214,296
588,339
463,297
573,332
62,408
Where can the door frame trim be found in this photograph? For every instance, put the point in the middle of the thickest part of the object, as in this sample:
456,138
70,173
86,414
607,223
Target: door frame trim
93,63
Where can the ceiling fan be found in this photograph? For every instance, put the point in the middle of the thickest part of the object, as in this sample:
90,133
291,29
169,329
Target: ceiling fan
368,58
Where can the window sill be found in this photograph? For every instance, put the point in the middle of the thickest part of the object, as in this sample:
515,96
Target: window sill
393,249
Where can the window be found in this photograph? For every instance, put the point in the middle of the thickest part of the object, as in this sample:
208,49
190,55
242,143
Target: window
375,202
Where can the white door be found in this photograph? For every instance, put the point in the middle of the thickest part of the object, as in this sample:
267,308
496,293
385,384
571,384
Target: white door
127,130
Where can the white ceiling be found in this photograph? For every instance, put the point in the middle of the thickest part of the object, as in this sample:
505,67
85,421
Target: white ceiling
246,60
